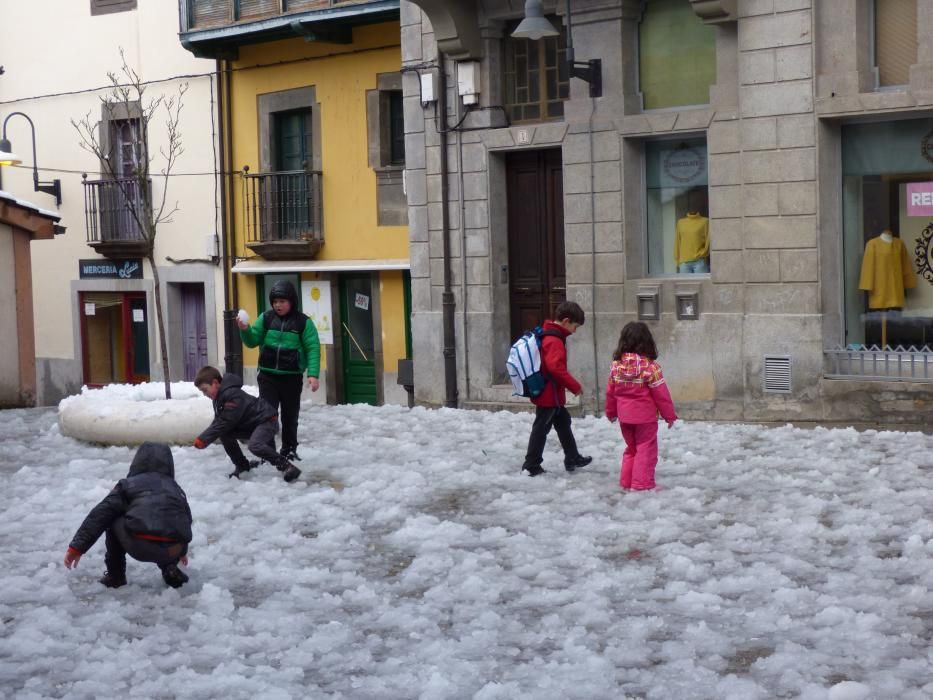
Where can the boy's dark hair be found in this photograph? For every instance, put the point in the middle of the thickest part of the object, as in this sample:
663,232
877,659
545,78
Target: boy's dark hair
637,338
207,375
570,310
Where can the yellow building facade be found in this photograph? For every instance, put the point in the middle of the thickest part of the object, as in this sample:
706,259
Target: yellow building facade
314,151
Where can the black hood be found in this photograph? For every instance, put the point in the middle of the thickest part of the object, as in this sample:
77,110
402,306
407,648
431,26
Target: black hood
153,457
283,289
230,380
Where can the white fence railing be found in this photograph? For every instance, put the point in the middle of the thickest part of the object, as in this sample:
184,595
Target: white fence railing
910,364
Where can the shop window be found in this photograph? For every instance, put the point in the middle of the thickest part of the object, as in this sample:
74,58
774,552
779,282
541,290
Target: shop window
115,338
895,40
676,55
677,206
887,230
535,76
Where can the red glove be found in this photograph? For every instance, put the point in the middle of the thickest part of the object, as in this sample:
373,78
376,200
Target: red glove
199,443
72,557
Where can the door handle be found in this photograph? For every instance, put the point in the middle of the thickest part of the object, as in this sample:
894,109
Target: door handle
522,289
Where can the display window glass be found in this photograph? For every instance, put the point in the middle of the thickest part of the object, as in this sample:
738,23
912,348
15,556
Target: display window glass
677,203
887,226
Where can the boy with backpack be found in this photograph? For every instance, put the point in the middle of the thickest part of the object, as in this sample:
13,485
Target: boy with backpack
549,404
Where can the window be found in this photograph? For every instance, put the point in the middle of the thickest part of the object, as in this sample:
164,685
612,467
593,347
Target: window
396,128
535,76
385,125
106,7
676,55
887,231
677,206
126,147
895,40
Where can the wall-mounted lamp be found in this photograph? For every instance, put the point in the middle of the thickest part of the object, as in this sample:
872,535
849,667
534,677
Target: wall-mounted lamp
536,26
7,157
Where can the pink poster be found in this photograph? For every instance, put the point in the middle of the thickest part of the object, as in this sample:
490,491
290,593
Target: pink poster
920,199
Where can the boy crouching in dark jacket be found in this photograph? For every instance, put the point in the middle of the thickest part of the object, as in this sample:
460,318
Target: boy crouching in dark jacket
239,416
146,515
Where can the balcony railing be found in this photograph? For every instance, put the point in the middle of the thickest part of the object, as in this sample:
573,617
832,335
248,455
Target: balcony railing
112,211
911,364
284,213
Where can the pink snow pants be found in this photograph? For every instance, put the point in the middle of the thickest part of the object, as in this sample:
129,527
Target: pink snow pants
640,456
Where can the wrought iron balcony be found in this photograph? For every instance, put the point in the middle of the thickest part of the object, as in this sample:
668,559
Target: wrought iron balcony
112,211
283,214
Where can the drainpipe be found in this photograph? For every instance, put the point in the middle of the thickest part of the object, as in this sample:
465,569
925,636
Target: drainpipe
447,297
233,346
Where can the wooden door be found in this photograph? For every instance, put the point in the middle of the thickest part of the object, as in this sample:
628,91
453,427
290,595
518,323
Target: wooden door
193,328
537,276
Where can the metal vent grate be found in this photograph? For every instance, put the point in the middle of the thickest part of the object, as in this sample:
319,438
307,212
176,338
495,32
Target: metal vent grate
776,376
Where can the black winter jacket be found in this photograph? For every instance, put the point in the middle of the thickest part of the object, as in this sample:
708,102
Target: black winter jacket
148,498
236,413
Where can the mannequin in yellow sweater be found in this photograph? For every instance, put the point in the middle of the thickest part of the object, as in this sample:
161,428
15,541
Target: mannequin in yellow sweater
691,243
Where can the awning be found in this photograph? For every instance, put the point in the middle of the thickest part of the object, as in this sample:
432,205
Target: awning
265,267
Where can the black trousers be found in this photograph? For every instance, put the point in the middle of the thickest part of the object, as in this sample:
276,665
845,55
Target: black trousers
559,417
261,443
283,390
120,542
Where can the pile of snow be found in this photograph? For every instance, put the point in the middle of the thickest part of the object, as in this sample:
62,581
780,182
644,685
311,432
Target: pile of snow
131,414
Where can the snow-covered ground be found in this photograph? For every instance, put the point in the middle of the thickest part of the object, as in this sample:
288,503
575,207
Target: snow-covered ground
412,560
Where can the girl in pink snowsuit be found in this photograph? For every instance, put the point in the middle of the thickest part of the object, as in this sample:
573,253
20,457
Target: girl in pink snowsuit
635,395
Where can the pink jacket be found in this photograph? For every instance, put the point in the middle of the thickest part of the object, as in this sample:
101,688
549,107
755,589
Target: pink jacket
636,392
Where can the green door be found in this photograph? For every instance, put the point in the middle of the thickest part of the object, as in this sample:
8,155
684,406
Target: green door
356,331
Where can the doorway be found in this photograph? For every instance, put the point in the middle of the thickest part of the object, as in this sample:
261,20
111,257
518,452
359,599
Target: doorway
114,338
358,348
535,200
193,328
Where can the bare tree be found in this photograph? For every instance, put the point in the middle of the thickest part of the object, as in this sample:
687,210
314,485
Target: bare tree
127,97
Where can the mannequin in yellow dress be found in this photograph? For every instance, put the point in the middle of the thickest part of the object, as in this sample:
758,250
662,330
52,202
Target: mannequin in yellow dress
886,272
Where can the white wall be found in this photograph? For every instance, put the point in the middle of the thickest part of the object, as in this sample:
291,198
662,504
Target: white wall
58,47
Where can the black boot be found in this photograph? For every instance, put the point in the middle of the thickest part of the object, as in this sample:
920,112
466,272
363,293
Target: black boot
533,469
113,579
577,462
174,576
289,471
115,575
240,469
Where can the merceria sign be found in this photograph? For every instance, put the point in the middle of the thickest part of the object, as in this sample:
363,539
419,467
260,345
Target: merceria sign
111,269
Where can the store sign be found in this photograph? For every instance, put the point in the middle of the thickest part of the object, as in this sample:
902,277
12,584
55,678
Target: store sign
920,199
684,164
100,269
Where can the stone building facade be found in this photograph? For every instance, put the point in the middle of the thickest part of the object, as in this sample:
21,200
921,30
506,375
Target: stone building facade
812,127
